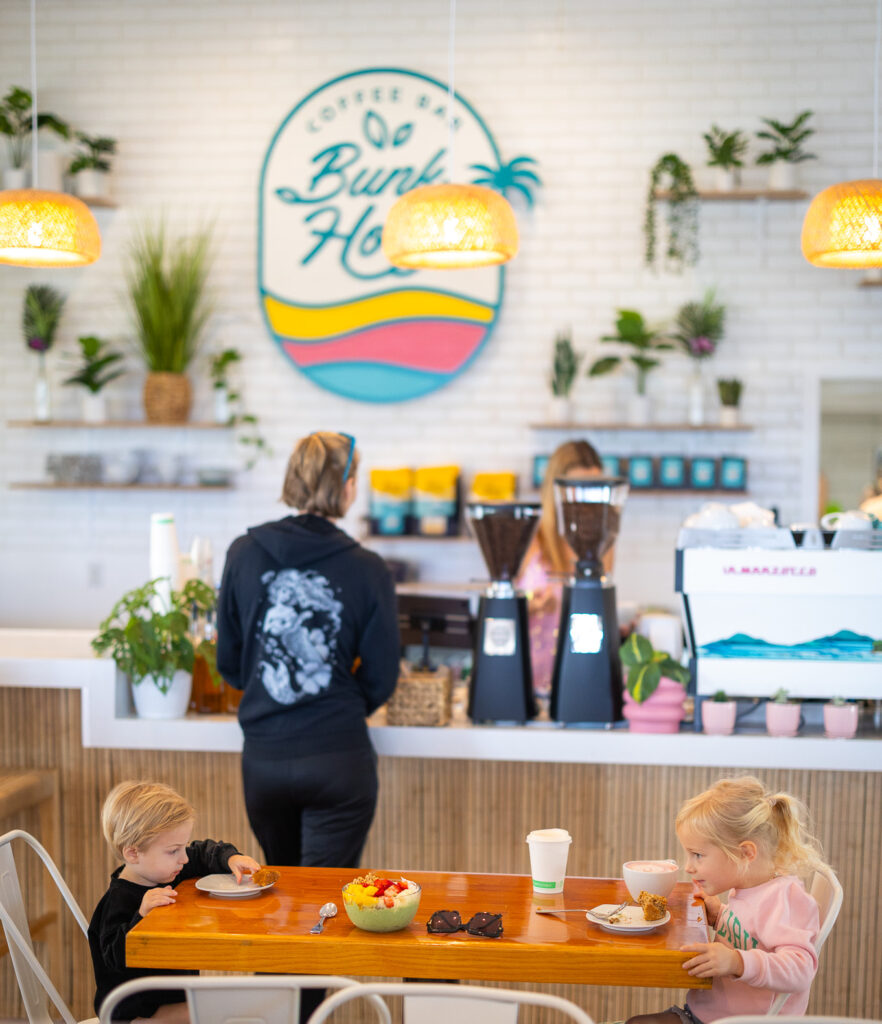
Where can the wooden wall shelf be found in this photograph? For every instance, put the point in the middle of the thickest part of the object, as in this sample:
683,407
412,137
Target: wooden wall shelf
48,486
646,428
116,425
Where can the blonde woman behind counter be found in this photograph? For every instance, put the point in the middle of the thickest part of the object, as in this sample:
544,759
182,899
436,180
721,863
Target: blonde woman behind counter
550,560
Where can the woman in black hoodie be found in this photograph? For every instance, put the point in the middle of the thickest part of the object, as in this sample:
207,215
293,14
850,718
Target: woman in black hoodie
308,628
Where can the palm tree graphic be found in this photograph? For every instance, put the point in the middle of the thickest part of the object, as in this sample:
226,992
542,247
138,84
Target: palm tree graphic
514,175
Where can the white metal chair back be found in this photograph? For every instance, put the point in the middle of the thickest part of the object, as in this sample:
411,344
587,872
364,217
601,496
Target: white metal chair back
35,985
258,999
827,893
449,995
783,1019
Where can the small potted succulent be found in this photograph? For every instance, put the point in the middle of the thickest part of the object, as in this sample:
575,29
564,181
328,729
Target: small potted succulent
43,306
786,141
564,369
99,365
782,714
655,687
729,389
725,150
90,166
16,122
632,330
672,176
718,714
698,329
841,718
151,643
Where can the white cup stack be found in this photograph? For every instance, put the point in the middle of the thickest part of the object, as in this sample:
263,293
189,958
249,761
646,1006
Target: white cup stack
164,557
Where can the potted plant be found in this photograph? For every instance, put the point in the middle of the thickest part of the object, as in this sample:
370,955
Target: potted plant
99,365
632,330
16,122
782,714
718,714
725,150
654,687
699,329
564,368
682,212
151,643
167,283
786,149
228,406
42,312
91,166
841,718
730,396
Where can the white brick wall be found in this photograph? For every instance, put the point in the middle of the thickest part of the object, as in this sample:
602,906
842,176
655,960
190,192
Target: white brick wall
595,90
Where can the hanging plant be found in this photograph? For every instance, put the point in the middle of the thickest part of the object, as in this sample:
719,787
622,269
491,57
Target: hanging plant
674,176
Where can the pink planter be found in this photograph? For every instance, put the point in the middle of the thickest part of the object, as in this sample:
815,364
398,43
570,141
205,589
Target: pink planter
718,717
841,720
782,719
662,712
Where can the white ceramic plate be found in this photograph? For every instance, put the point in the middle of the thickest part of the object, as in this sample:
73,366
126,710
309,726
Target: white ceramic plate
630,920
224,887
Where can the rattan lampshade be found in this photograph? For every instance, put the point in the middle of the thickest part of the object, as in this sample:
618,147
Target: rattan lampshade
46,229
843,226
450,226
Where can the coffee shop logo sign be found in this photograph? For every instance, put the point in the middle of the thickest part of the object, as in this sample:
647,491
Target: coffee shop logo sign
339,311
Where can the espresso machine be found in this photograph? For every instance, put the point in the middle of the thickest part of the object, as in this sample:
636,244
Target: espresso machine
502,680
586,685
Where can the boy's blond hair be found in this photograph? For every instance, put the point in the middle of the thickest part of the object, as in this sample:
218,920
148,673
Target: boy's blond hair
135,813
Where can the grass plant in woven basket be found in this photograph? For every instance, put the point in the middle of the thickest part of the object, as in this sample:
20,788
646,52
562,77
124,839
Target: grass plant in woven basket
168,289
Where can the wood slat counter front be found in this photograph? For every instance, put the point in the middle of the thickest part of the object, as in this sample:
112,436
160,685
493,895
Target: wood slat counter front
271,933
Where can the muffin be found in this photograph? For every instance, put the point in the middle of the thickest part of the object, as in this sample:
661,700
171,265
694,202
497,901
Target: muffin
654,907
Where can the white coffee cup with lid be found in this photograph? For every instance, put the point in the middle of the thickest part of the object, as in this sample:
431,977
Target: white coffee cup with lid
549,849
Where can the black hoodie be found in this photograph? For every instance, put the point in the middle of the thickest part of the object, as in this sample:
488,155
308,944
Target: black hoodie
308,628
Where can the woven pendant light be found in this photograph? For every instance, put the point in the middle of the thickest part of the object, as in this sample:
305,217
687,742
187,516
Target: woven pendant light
843,224
40,228
46,229
450,226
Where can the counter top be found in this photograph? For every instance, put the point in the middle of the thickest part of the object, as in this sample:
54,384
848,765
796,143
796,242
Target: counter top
64,659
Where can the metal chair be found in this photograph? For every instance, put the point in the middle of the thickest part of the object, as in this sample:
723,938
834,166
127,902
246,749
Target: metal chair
35,985
823,1019
434,1002
257,999
827,893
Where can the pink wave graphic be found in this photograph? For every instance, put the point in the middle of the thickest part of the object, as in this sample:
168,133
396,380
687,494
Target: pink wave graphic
438,346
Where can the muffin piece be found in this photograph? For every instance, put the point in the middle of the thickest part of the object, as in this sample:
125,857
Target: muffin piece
654,907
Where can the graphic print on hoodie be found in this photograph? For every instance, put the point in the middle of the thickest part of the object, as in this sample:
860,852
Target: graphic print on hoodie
298,634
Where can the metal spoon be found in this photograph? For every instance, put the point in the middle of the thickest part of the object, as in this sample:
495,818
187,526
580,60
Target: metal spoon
581,910
328,910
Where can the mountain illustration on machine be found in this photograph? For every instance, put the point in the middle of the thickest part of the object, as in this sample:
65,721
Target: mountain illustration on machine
843,645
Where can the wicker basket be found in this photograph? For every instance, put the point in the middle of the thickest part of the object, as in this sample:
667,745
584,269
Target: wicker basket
421,697
167,398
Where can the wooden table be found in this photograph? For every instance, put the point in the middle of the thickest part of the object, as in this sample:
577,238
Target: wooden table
270,933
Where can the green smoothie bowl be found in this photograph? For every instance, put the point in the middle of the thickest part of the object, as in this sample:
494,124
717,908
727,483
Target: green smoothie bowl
377,904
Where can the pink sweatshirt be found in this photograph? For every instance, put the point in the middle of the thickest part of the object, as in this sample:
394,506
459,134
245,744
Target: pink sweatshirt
774,926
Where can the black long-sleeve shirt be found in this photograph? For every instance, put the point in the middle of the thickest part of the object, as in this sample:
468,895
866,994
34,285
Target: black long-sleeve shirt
308,627
118,912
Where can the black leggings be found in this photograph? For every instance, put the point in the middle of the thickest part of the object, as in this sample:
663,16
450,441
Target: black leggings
312,811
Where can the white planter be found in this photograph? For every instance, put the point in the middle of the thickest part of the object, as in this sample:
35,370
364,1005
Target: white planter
841,720
782,719
151,702
15,177
729,416
221,405
560,409
42,394
91,184
639,412
94,406
726,179
782,176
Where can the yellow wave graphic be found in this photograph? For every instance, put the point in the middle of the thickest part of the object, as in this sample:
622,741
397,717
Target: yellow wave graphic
293,321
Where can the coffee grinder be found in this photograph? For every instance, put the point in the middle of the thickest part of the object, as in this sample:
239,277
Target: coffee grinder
502,680
586,684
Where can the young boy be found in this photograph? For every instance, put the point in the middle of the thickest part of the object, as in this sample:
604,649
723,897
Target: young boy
149,825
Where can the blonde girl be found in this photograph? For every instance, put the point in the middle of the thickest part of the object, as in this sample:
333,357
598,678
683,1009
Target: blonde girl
753,845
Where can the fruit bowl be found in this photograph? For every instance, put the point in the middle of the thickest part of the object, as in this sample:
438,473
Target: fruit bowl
377,904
